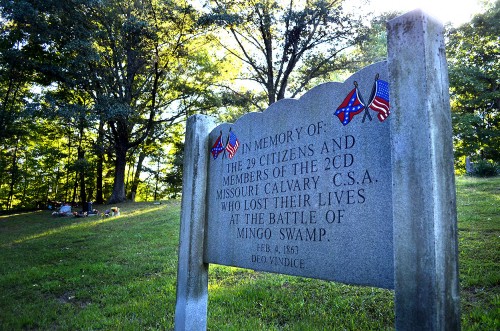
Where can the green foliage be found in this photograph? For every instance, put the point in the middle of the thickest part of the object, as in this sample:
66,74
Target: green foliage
175,159
373,48
284,47
114,74
473,56
485,168
32,167
105,78
16,76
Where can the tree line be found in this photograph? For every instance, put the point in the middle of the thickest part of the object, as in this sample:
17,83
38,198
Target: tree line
94,93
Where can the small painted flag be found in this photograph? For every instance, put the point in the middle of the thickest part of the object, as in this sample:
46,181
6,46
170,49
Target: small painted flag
232,144
380,101
217,148
351,106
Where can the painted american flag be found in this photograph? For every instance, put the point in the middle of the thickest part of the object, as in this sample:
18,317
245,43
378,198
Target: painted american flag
380,102
232,144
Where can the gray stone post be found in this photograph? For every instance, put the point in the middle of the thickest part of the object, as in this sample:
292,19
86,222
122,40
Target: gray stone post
424,206
192,273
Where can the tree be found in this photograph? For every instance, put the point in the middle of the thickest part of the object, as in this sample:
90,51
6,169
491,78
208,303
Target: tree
374,46
133,66
175,158
285,46
136,61
15,84
147,150
474,69
56,59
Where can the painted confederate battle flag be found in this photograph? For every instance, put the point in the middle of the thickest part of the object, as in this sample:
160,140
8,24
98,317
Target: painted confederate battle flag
217,148
232,144
351,106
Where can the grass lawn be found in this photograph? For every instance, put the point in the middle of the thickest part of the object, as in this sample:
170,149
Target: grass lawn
120,273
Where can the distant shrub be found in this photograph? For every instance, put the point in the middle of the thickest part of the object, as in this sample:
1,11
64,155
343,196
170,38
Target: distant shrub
485,168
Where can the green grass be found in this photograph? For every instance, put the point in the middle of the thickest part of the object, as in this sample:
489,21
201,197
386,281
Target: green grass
478,206
89,273
120,273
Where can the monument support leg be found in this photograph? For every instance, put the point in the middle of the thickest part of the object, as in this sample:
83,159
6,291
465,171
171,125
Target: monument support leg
424,205
192,273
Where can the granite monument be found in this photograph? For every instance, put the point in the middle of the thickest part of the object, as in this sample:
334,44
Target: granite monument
353,182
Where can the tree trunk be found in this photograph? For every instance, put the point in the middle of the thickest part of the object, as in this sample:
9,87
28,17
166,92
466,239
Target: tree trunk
75,188
13,176
81,163
137,175
25,181
83,192
157,178
99,199
68,171
118,194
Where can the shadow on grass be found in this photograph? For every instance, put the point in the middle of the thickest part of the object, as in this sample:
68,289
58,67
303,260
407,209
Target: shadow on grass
58,225
102,273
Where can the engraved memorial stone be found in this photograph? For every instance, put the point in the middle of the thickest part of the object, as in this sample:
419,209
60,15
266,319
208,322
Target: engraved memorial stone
304,188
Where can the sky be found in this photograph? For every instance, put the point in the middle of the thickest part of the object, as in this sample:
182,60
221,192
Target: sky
455,11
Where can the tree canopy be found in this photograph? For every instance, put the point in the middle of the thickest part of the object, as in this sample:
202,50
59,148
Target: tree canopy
284,46
94,93
474,70
128,68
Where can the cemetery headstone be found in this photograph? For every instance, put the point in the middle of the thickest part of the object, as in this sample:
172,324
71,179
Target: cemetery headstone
353,182
469,166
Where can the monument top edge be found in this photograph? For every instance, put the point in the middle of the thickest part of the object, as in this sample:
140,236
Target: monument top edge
287,102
